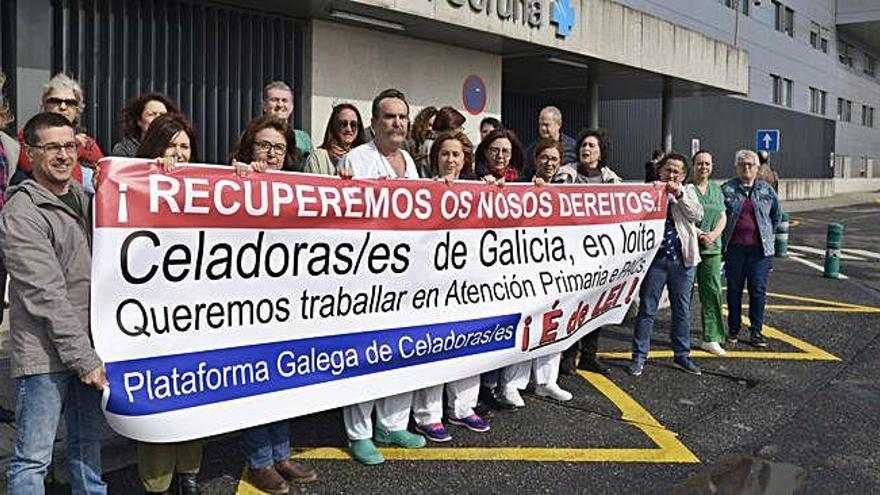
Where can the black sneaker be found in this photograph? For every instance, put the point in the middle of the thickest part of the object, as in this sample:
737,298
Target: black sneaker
732,338
566,365
685,364
758,340
488,401
593,364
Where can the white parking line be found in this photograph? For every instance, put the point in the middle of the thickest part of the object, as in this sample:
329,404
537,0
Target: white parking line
821,252
862,252
795,257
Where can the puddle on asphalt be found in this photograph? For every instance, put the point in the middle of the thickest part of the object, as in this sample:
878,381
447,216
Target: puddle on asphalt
744,475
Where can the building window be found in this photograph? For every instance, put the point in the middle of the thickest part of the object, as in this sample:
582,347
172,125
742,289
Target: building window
815,35
870,65
867,116
743,5
784,18
817,101
787,90
777,89
782,90
844,53
844,110
823,41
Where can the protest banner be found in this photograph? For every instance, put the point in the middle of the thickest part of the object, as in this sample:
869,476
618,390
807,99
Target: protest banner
221,303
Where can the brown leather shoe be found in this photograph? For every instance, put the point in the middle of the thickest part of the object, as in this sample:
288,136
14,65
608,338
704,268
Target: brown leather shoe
268,480
295,472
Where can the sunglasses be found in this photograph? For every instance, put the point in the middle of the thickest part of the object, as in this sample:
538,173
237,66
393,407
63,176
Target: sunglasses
351,124
70,102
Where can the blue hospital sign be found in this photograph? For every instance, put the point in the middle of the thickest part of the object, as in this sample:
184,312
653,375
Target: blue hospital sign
767,140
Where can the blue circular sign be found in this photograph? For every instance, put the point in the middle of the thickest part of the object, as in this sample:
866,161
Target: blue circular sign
473,95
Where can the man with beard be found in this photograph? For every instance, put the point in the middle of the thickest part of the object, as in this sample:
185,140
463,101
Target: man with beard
382,157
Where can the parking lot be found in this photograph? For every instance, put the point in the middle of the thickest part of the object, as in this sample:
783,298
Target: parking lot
801,412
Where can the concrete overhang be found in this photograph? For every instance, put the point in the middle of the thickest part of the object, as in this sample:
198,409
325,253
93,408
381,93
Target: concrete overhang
629,52
860,20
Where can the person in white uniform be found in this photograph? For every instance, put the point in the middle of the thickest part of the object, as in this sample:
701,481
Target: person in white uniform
383,157
452,156
548,156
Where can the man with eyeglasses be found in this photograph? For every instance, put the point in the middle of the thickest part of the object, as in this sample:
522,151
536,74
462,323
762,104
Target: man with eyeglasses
64,96
45,239
382,157
278,100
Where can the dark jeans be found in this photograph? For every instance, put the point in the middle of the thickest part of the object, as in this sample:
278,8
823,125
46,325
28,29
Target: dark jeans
746,264
679,281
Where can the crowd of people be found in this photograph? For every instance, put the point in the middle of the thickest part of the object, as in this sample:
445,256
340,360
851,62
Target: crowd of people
45,241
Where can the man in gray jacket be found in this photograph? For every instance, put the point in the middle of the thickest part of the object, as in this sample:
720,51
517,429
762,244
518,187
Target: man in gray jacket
45,237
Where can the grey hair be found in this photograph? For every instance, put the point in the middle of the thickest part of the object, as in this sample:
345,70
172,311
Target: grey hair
554,112
743,154
63,81
275,85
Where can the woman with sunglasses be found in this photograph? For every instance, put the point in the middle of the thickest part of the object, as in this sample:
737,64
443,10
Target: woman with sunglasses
171,140
64,96
269,143
345,130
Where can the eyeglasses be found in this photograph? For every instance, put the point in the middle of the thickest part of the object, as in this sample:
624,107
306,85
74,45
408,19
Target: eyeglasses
55,148
70,102
500,151
266,147
548,158
351,124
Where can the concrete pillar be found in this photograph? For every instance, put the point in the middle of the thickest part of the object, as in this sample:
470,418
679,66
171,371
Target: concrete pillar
593,104
666,116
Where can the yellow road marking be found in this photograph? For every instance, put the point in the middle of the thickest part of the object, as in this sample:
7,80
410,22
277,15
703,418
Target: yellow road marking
669,448
837,304
808,352
818,309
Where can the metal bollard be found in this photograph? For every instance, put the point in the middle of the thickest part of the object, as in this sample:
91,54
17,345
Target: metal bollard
781,244
833,243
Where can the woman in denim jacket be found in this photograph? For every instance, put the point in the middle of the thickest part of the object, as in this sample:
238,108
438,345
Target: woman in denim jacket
752,215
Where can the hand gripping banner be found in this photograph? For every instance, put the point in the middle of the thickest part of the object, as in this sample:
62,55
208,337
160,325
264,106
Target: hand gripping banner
221,303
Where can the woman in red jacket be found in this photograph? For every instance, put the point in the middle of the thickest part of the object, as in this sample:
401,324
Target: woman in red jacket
64,96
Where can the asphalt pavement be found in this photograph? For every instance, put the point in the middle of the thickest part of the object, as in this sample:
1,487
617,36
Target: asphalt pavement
801,415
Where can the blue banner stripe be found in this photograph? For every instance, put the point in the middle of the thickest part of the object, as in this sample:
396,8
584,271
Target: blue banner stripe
167,383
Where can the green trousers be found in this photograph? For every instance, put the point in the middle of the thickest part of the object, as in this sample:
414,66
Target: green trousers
157,462
709,280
